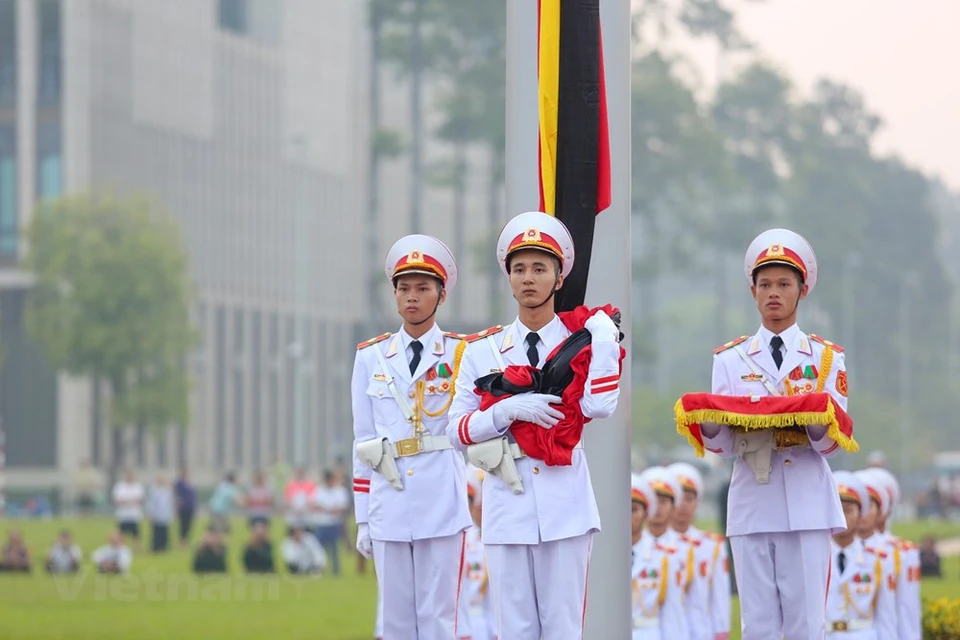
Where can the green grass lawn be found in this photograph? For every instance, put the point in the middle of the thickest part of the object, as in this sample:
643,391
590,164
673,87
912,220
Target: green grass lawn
162,599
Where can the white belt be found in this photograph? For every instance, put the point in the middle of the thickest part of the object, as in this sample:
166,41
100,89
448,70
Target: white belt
518,453
413,446
849,625
641,622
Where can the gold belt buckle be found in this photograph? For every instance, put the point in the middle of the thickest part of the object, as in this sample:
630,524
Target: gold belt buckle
840,626
408,447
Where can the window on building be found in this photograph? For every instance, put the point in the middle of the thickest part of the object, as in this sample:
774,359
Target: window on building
49,159
8,53
8,190
258,20
233,15
50,53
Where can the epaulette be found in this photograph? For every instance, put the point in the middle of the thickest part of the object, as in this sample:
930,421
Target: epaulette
455,336
877,552
732,344
826,343
473,337
716,537
689,540
371,341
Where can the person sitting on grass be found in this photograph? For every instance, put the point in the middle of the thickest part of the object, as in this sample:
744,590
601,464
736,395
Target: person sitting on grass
15,557
302,552
113,558
258,554
211,553
64,556
929,559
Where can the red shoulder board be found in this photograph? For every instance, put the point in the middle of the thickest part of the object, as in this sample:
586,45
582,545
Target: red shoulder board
826,343
455,336
731,344
666,548
371,341
715,536
483,334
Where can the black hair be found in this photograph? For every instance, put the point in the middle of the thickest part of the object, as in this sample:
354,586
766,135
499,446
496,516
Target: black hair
796,271
554,259
440,286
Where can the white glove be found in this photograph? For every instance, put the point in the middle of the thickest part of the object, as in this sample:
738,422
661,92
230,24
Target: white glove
601,327
527,407
364,544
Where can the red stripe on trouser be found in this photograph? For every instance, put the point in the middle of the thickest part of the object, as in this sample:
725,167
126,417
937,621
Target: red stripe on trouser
605,379
463,550
826,596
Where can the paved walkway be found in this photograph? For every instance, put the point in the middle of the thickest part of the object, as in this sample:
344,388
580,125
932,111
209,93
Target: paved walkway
949,547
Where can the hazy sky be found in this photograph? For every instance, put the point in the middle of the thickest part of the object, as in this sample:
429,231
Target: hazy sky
903,55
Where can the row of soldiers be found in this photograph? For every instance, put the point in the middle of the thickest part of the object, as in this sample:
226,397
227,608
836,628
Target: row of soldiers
681,589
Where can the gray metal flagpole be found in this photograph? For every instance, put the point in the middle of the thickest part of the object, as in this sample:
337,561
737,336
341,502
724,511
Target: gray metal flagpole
607,442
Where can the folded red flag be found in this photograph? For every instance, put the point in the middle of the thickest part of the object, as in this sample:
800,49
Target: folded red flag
553,446
763,412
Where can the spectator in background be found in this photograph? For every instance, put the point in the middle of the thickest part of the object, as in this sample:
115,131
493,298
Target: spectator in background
258,554
128,497
160,509
211,554
113,558
186,496
89,487
929,559
297,496
301,552
279,472
64,556
329,512
15,557
225,497
259,501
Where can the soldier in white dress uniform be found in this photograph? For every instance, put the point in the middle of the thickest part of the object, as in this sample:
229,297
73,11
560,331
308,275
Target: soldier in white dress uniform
410,485
858,604
877,544
657,572
708,604
783,504
538,520
906,561
476,613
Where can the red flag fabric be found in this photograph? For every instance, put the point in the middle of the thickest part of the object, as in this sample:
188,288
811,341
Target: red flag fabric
555,446
764,412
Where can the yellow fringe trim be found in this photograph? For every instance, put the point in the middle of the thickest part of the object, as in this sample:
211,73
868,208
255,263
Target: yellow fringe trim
749,421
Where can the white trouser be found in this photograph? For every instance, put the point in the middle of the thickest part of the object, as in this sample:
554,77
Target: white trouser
539,590
481,627
419,583
782,579
647,633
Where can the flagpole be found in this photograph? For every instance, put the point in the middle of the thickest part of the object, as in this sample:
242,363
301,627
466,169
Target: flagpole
607,442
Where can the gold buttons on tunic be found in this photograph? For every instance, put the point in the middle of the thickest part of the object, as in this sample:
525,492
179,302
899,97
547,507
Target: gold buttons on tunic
409,472
536,470
787,462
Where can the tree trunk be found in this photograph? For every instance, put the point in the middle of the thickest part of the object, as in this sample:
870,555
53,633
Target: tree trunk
416,115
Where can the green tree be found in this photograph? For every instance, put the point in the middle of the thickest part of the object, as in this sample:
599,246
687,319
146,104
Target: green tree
111,303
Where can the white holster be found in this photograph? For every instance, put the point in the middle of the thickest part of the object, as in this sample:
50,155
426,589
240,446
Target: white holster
495,457
375,454
756,449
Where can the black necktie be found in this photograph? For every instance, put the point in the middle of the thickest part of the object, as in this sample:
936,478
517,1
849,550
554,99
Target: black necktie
842,562
775,343
415,361
532,355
